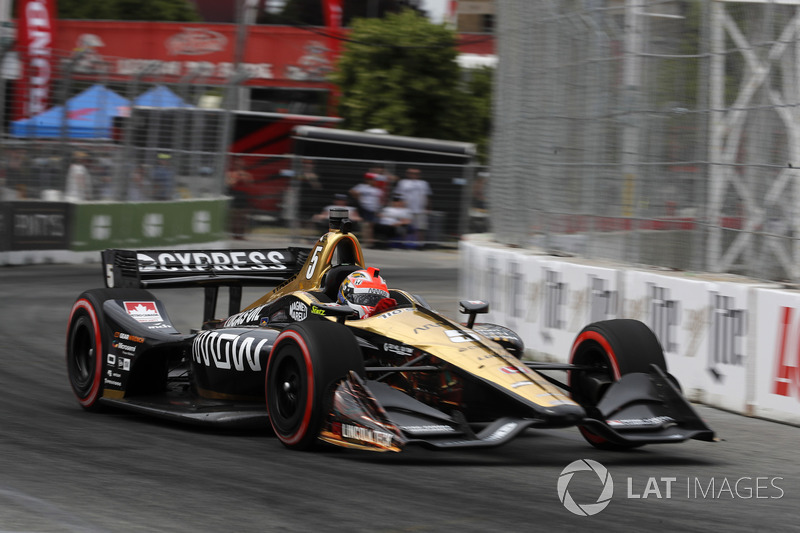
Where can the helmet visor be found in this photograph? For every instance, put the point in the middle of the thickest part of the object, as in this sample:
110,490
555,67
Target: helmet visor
368,297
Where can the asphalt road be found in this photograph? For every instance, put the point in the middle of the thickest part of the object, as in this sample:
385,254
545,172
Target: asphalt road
62,469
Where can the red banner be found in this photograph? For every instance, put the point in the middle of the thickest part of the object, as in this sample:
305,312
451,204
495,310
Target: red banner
333,13
333,21
35,36
277,56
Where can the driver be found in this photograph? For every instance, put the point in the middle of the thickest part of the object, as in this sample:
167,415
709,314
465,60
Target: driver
366,292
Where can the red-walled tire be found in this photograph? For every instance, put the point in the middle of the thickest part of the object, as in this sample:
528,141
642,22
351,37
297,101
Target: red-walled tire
87,342
306,360
615,348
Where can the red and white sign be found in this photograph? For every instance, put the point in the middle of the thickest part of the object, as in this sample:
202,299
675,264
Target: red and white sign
786,380
143,311
274,55
196,41
333,13
776,367
35,38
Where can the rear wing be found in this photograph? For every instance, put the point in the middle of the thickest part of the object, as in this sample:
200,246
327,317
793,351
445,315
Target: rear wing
210,269
145,269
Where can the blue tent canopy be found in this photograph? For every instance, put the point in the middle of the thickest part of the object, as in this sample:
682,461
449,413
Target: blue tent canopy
159,96
89,115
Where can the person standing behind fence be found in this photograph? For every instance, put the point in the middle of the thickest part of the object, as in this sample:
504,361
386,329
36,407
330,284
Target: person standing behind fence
382,180
163,178
370,201
393,222
137,184
79,181
235,179
415,192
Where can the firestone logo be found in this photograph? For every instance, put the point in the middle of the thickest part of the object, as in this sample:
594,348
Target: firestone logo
196,42
586,509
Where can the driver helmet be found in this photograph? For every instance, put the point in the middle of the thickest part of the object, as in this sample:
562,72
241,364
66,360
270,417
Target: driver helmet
362,290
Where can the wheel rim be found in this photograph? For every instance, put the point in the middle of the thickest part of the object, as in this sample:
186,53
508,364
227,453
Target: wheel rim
287,397
82,357
288,383
592,355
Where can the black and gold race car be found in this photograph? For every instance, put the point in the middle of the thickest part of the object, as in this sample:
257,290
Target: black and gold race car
298,360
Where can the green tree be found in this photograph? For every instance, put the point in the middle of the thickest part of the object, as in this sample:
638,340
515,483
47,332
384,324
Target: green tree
399,73
157,10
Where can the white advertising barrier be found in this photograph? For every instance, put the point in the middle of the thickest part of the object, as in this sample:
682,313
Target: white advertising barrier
469,255
729,358
567,296
702,324
547,300
731,342
483,277
776,372
498,276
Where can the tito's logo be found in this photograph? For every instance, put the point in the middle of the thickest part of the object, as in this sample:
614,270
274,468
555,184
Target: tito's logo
587,509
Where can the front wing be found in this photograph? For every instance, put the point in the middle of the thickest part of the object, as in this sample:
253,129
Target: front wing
638,409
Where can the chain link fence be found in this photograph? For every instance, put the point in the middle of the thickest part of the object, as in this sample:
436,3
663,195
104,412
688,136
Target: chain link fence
650,131
144,137
152,137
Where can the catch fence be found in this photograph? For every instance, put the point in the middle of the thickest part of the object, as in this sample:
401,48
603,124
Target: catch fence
650,131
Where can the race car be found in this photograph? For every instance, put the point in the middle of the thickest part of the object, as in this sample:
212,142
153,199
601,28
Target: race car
306,363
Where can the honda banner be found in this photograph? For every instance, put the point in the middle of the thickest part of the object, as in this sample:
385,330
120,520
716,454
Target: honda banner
333,13
35,36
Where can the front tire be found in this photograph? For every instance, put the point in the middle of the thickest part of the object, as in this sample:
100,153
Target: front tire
613,348
306,360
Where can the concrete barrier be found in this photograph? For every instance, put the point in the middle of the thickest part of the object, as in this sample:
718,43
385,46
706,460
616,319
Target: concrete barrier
732,342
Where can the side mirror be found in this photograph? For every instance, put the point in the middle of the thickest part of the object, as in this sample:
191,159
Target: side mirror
472,308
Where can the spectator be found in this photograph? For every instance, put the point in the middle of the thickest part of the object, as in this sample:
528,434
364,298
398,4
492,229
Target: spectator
393,223
369,198
308,189
235,180
415,192
79,181
46,170
308,174
101,168
137,184
382,180
339,200
17,173
163,178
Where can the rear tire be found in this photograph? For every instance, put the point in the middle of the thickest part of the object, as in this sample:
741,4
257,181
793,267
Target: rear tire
614,348
306,360
87,342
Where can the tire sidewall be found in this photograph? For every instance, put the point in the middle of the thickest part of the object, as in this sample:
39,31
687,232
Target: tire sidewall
290,344
90,306
626,346
85,313
325,352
